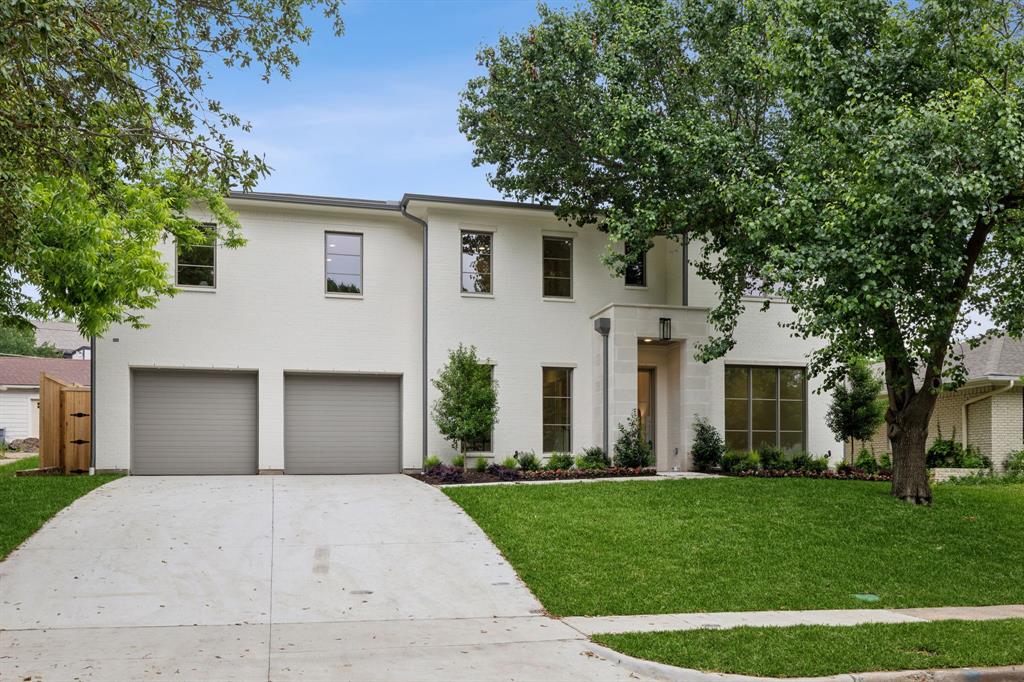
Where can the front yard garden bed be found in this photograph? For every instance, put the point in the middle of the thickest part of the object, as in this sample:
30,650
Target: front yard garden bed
750,544
449,475
785,651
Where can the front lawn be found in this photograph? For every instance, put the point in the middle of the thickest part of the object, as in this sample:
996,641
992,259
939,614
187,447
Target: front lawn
26,503
817,650
750,544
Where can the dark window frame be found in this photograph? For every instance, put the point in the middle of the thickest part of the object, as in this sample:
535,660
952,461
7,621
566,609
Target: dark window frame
568,398
640,267
212,228
778,400
490,262
545,278
362,269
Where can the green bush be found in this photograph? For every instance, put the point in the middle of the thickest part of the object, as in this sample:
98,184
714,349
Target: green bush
528,461
949,452
432,461
818,464
708,446
885,461
866,461
459,461
802,461
632,449
1014,465
736,461
559,460
510,463
593,458
481,464
773,458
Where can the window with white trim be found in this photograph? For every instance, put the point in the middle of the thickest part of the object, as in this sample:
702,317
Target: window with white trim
343,262
196,265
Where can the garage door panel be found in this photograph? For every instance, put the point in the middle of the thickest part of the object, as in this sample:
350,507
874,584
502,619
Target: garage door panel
342,424
194,422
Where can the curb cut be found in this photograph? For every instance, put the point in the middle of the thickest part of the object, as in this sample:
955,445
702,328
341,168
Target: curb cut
671,673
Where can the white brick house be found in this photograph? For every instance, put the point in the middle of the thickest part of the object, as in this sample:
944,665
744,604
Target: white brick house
309,349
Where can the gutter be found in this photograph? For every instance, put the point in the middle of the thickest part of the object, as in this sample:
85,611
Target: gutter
403,207
978,398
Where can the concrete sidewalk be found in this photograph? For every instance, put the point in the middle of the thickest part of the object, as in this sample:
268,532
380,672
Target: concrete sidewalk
275,578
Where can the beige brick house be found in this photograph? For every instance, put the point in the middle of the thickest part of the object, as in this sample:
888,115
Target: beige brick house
987,411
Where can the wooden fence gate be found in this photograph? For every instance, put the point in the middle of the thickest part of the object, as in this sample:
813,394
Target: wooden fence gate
65,425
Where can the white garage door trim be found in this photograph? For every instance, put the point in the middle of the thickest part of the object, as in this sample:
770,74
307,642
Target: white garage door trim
194,422
342,423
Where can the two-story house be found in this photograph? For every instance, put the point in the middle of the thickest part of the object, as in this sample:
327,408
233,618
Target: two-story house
311,349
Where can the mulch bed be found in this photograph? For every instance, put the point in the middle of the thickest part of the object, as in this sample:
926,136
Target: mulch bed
449,475
842,474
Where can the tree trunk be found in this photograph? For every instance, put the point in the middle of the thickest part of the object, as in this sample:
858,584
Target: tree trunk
909,473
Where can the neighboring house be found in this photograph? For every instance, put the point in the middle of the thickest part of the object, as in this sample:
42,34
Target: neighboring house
311,348
19,390
987,412
64,336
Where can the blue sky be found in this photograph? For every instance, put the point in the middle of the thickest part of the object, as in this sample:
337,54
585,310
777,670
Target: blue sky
373,114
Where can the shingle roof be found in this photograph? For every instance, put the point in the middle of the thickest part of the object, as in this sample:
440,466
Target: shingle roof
997,356
62,335
23,371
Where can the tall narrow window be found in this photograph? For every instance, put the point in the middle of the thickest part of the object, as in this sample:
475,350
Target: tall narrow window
476,262
343,262
557,424
557,267
196,266
765,406
485,444
636,272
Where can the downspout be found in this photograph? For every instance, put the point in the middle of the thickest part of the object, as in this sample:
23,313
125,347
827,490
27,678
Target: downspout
423,388
92,405
603,326
975,399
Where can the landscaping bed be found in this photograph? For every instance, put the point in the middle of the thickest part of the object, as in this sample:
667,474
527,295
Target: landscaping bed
786,651
449,475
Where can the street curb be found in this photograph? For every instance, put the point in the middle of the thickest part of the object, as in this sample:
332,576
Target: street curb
671,673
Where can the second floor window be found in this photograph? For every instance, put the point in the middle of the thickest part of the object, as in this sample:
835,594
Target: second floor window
343,262
476,262
196,265
557,267
636,273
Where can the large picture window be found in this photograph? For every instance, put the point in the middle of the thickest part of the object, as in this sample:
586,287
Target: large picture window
765,405
557,409
476,262
557,267
343,262
196,266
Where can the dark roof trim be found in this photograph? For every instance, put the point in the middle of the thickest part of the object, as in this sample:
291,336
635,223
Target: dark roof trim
312,200
464,201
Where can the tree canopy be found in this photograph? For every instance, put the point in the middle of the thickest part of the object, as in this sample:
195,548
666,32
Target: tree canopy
107,136
21,340
861,159
467,406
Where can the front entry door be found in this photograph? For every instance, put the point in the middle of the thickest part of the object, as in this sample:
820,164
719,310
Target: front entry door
645,401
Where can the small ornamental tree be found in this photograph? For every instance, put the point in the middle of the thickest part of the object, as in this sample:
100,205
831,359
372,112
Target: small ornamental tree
856,411
467,408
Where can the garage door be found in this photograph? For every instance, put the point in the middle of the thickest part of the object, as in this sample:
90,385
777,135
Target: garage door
193,422
342,424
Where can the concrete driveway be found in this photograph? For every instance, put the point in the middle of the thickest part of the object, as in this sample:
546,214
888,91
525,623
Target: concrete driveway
275,578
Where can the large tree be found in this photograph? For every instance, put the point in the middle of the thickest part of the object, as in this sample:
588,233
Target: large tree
863,159
108,136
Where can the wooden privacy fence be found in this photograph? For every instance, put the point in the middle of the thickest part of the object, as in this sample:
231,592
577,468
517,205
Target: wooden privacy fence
65,425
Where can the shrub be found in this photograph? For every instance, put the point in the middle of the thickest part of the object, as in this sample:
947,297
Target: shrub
801,461
593,458
505,471
948,452
431,462
481,464
1014,465
459,461
510,463
773,458
735,461
866,461
708,446
528,461
632,449
445,474
885,461
559,460
818,464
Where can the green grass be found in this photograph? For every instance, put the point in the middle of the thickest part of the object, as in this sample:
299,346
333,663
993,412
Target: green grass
748,544
813,650
26,503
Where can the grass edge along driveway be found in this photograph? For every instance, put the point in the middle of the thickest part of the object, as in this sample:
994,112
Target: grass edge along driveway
818,650
749,544
26,503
